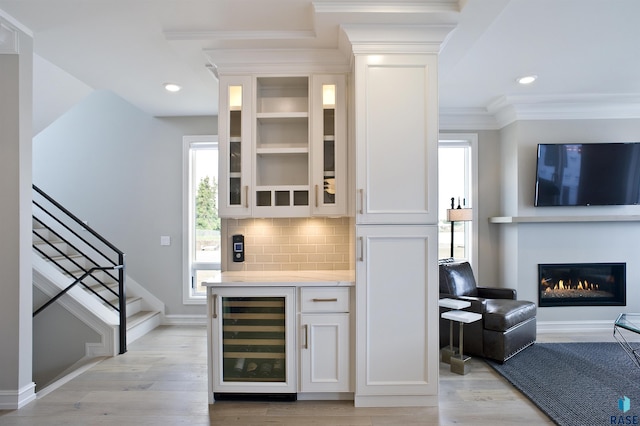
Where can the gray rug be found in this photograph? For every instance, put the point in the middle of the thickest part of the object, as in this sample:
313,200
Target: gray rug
577,383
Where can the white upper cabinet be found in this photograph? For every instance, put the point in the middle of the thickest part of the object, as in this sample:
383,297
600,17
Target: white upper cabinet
396,132
235,142
283,147
281,152
329,145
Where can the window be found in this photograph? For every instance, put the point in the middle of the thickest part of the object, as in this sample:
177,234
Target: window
457,179
201,222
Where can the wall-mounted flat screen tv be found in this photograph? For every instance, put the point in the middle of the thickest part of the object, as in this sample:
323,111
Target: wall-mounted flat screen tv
593,174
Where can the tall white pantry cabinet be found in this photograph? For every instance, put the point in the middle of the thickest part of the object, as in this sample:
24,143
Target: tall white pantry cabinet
396,131
392,195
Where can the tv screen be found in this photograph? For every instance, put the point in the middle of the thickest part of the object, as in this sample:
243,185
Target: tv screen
595,174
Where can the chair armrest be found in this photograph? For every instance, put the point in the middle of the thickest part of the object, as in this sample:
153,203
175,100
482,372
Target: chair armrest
497,293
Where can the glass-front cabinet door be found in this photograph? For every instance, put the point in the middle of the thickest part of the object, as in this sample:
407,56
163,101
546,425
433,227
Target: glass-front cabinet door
329,145
234,128
253,340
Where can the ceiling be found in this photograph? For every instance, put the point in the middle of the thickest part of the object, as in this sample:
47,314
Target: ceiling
583,51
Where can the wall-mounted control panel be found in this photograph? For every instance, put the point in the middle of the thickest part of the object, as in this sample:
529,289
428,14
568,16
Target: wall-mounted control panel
237,248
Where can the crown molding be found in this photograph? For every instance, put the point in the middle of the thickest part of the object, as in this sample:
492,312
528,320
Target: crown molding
8,39
386,38
269,61
13,23
466,119
411,7
509,109
238,35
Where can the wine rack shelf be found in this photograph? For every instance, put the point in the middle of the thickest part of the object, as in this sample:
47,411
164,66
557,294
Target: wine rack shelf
254,343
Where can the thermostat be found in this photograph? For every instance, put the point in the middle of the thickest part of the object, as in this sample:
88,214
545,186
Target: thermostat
238,248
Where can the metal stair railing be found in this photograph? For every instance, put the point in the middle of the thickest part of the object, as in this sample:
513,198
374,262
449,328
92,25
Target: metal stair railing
90,253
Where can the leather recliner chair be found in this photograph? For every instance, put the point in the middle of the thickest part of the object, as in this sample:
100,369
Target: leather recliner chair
507,326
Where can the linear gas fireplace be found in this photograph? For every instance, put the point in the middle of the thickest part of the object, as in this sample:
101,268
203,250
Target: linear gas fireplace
582,284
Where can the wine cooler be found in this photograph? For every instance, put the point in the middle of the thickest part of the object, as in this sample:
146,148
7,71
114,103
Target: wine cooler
253,343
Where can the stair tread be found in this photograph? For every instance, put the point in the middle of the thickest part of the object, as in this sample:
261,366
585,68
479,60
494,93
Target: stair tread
129,299
140,317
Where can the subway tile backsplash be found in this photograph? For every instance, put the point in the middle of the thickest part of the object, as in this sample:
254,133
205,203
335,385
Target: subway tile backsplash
290,244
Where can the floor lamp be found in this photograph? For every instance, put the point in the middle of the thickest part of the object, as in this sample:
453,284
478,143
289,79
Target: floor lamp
458,215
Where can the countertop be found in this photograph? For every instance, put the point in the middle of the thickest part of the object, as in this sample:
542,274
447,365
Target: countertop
283,278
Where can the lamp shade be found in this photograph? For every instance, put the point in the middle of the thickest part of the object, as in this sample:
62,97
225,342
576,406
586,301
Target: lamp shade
459,215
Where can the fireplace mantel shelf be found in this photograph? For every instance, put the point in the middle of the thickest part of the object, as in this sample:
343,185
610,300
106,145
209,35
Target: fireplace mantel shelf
563,219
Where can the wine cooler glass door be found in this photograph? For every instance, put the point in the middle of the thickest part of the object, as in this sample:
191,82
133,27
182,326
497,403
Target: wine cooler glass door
254,340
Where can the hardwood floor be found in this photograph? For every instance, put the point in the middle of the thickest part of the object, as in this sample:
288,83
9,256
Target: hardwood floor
162,380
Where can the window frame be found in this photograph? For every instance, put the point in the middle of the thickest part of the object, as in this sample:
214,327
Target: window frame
469,140
188,298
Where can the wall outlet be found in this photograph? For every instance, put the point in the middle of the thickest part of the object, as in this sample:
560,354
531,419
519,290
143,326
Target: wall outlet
165,240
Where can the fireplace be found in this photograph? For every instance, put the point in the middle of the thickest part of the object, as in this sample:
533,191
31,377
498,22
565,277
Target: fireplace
582,284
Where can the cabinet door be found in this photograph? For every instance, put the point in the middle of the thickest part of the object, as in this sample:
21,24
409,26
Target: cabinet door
329,145
396,131
253,342
234,138
397,321
324,356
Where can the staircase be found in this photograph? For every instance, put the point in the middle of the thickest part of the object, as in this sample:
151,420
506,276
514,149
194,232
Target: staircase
85,274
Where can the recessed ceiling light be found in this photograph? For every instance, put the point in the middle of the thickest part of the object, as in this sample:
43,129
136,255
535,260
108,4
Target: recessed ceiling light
172,87
527,79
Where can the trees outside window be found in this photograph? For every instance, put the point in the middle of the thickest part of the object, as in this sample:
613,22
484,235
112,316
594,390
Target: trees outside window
202,224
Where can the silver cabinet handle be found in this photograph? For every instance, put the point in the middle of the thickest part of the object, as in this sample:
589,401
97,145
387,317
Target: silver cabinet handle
361,191
246,196
306,336
361,245
214,314
316,196
333,299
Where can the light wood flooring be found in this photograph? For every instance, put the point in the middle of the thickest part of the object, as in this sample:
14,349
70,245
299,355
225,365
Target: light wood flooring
162,380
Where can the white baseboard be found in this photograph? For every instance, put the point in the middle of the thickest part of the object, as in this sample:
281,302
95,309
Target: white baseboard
185,320
16,399
70,373
574,326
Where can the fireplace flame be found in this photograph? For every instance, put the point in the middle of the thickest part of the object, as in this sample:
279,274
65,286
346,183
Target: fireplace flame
562,287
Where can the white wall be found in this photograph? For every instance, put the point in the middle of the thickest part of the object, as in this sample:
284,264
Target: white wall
59,340
524,246
16,68
54,92
120,169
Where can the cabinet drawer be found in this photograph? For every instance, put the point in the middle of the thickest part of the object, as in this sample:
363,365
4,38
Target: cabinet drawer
324,299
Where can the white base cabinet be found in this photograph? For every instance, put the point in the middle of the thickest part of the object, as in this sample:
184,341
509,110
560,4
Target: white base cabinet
397,334
254,347
325,339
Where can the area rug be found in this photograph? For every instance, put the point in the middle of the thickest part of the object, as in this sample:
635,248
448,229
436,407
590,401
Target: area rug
577,383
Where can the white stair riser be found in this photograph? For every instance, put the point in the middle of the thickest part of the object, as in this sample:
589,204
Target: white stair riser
73,264
97,278
55,249
134,305
139,330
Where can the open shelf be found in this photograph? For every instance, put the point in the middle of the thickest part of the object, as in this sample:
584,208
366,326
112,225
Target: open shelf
563,219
